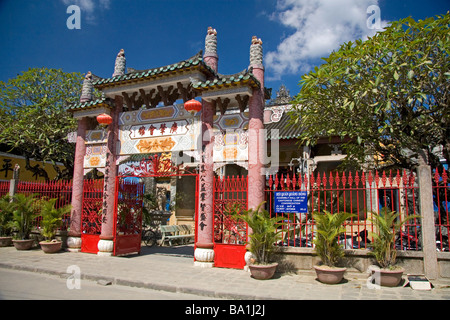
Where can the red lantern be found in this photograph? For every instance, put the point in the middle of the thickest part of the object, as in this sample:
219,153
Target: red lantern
104,119
193,106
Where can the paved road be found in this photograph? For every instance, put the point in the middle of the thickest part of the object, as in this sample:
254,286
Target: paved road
23,285
171,271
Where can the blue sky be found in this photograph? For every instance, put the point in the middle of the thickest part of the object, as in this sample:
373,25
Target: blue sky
154,33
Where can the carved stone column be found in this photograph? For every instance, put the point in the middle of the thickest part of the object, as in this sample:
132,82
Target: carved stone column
256,141
204,251
74,234
106,242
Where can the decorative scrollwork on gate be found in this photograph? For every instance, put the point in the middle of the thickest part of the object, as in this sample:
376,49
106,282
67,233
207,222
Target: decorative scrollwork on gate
228,229
230,198
129,207
91,216
156,165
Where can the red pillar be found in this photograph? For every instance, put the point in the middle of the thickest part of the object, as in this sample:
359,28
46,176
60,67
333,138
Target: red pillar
106,243
204,252
256,141
74,234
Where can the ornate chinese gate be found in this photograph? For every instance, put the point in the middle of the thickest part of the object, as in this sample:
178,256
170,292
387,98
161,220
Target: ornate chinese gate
130,190
128,216
91,222
230,236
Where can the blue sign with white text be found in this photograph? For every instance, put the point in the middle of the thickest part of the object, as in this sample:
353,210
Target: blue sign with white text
291,201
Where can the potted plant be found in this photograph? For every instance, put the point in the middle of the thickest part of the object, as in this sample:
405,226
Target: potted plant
51,221
6,213
23,207
387,224
329,227
263,237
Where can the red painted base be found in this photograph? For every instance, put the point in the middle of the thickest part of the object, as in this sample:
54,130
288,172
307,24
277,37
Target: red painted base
125,244
229,256
89,243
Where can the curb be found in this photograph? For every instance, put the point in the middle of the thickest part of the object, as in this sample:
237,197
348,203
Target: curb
103,280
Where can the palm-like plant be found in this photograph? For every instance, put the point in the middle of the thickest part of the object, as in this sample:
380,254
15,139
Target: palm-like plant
383,247
6,213
24,207
264,233
51,217
329,226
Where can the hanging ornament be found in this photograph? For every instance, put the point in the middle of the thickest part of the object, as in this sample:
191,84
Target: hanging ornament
193,106
104,119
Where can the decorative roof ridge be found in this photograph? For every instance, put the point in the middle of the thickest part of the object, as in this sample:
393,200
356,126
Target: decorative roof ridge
86,104
219,79
235,75
136,74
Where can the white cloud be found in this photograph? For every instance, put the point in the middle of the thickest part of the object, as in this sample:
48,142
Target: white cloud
320,26
88,7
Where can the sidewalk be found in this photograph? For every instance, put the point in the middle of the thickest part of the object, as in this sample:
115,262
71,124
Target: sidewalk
172,269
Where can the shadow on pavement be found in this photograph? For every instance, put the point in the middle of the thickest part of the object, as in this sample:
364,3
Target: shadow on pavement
179,251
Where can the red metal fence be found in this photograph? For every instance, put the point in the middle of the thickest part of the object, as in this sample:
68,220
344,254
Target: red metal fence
360,193
441,199
61,190
4,188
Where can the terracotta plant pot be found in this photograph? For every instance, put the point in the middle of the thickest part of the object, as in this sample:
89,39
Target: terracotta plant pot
329,275
263,271
5,241
23,244
50,246
387,277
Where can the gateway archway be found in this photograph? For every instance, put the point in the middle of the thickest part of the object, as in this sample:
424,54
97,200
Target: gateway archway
140,178
148,112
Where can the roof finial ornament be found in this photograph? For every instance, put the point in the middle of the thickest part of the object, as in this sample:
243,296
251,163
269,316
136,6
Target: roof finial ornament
211,42
87,91
120,65
256,53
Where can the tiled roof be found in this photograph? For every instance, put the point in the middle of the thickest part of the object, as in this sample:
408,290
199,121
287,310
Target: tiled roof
195,61
220,81
104,102
286,131
245,76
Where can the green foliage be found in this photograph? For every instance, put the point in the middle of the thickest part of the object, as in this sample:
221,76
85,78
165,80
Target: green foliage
24,208
6,214
329,226
51,217
387,224
35,122
264,234
389,94
154,203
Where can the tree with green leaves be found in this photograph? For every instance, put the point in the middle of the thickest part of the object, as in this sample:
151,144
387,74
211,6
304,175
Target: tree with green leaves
34,122
390,94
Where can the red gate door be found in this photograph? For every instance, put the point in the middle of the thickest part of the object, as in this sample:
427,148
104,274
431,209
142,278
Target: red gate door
91,222
128,215
230,236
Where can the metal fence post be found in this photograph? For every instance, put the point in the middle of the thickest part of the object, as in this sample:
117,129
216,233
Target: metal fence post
427,215
13,183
